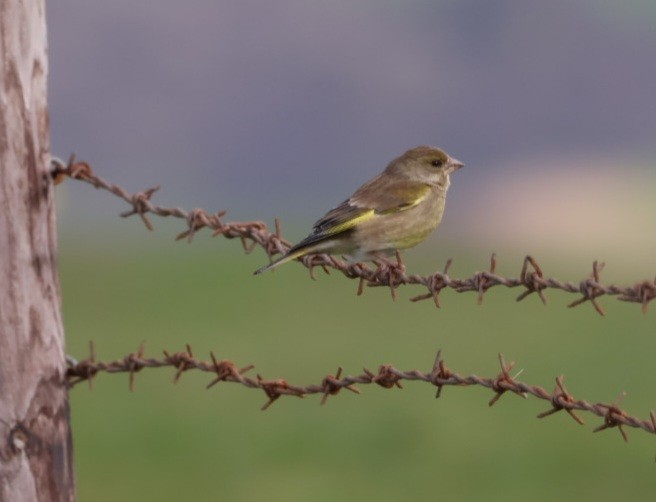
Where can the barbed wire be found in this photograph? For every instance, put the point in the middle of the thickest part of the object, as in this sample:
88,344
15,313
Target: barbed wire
387,377
385,272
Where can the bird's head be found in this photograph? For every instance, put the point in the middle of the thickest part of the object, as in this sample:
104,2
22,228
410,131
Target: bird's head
426,164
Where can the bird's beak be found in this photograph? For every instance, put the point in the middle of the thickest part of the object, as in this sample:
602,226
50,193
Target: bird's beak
455,164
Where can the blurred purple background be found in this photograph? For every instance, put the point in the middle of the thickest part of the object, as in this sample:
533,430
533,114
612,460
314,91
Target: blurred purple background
283,108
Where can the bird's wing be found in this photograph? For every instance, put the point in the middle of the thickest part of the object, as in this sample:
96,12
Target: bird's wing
381,195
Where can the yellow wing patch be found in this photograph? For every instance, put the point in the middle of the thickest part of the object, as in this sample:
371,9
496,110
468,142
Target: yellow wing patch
363,207
351,222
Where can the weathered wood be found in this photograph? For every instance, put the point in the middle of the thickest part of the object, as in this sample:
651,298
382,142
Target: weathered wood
35,436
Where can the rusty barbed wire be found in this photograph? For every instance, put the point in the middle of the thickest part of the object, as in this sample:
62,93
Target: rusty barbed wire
385,273
387,376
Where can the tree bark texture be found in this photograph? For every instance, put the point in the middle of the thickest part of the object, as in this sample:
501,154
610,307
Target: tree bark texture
35,437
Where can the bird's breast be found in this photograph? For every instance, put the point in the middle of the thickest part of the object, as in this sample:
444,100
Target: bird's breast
402,229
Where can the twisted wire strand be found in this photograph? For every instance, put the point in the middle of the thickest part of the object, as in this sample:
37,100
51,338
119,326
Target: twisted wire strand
387,376
383,273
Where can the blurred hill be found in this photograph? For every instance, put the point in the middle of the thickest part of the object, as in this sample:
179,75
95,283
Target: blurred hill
265,108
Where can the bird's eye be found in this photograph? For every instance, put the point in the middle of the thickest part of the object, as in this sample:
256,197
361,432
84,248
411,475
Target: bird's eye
437,162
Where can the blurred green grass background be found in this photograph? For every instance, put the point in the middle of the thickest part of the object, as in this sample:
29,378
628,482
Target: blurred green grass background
167,442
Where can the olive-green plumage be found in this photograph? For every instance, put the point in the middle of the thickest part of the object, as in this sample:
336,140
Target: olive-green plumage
397,209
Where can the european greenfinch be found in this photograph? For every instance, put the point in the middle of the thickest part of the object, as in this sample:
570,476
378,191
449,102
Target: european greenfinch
397,209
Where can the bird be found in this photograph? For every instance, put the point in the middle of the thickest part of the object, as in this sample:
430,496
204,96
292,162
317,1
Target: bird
395,210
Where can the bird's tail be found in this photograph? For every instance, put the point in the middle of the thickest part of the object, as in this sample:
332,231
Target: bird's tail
289,256
318,243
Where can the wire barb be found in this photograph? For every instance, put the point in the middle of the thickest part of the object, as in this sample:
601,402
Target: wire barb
560,399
